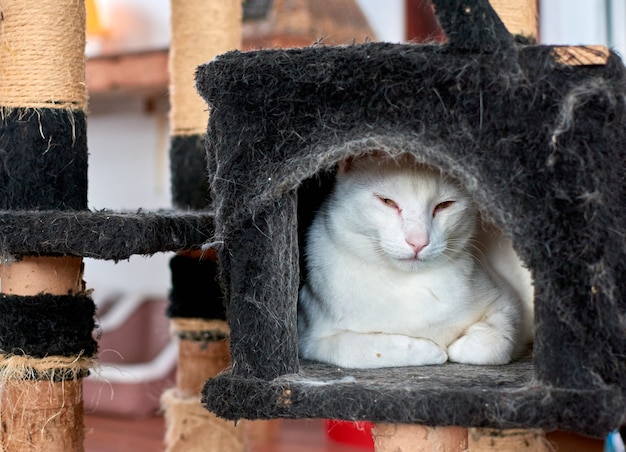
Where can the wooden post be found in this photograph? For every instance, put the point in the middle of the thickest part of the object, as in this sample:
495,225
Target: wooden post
34,275
491,440
41,414
189,425
200,31
520,17
199,359
43,101
419,438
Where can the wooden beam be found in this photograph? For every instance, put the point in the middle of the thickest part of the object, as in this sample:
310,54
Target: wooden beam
582,55
135,72
521,17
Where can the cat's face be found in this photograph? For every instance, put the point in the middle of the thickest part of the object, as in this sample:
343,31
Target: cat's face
409,215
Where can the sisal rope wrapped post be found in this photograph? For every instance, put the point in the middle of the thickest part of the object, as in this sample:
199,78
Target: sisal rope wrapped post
203,352
200,31
46,317
490,440
418,438
41,402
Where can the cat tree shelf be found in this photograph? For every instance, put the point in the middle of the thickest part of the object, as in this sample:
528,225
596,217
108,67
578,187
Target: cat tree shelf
481,396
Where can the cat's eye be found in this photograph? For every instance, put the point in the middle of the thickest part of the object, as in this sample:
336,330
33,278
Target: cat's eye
389,202
441,206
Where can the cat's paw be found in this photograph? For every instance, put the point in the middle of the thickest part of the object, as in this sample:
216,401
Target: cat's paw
482,345
399,350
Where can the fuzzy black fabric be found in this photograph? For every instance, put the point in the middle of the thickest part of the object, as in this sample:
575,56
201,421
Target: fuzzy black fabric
102,234
43,159
189,185
47,325
195,289
451,394
539,144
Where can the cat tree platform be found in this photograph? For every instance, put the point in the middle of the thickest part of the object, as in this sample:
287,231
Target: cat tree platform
452,394
536,135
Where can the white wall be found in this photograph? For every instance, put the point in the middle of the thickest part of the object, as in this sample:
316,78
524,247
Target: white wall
386,17
577,22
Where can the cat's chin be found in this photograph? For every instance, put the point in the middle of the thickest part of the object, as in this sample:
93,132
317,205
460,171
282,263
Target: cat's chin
409,264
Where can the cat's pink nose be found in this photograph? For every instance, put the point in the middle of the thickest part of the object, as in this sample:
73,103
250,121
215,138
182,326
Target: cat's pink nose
418,243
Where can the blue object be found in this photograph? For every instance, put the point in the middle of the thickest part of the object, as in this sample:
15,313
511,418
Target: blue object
614,442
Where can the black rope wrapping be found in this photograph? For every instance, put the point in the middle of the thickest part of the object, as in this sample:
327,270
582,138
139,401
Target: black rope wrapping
190,181
203,336
195,290
43,159
102,234
47,325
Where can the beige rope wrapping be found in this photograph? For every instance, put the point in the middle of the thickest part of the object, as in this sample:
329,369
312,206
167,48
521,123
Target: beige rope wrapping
24,367
42,54
200,31
190,427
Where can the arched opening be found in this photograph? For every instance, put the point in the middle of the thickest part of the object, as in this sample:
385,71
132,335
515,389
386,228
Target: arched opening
473,274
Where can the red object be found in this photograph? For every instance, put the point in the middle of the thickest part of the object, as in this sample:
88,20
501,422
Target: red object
421,22
353,433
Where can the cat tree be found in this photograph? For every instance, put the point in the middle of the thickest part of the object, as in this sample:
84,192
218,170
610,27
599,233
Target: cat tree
536,135
47,342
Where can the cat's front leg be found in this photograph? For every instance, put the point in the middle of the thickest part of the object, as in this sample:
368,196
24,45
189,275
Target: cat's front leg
374,350
484,344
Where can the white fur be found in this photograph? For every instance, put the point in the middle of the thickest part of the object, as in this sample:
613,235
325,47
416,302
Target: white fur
371,301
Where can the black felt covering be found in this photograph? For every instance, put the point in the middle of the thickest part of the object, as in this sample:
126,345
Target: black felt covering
451,394
102,234
47,325
43,159
195,289
189,185
540,145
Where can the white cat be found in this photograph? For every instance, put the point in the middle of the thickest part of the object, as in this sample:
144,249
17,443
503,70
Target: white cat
395,278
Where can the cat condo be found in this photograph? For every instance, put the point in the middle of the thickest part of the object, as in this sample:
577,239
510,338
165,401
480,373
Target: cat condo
538,140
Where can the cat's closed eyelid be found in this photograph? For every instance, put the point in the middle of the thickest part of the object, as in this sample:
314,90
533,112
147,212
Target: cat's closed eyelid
388,201
442,205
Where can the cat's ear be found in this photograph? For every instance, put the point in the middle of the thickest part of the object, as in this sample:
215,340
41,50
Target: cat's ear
345,165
